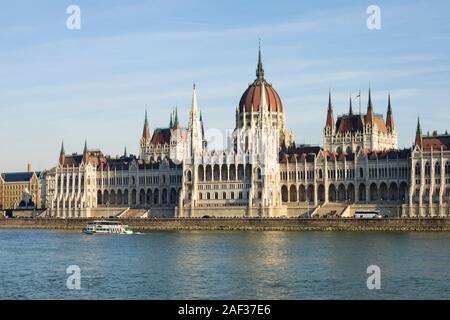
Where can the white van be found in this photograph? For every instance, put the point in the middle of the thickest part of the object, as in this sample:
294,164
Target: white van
367,215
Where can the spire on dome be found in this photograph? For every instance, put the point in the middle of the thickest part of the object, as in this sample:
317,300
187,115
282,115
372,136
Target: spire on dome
259,69
389,117
330,116
146,131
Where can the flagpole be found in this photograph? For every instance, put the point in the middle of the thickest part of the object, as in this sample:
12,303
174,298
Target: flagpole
359,95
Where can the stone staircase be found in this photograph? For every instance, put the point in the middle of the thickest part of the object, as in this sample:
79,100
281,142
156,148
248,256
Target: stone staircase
331,210
133,213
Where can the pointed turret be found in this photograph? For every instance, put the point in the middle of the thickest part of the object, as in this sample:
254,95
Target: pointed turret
389,117
125,152
85,152
330,115
369,117
171,122
418,141
146,131
195,128
62,154
194,100
176,124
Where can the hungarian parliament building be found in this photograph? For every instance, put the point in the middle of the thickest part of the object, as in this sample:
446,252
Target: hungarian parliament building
262,172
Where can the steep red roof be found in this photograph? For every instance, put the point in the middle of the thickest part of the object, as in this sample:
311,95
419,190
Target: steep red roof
354,123
161,136
436,142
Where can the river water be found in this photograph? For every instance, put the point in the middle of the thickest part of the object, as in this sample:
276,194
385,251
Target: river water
224,265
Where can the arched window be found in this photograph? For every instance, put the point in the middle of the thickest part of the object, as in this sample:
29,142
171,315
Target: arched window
437,168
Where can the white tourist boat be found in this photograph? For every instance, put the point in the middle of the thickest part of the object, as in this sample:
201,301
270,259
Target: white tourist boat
107,227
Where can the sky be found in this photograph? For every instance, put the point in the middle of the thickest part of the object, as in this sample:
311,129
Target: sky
95,83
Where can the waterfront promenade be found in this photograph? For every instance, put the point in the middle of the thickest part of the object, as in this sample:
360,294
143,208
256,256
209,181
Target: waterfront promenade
257,224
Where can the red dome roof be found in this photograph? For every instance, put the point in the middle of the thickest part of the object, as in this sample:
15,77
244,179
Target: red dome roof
252,95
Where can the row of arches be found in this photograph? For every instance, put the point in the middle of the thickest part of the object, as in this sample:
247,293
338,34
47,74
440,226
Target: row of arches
437,168
346,193
224,172
144,197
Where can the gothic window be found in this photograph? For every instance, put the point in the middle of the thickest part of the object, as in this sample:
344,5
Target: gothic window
427,169
437,168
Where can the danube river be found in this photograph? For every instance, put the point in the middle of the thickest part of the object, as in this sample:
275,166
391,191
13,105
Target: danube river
224,265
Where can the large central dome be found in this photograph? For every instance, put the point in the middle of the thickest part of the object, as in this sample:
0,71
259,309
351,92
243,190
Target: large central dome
251,97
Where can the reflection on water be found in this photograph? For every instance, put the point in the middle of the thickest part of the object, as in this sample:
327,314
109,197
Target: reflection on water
224,265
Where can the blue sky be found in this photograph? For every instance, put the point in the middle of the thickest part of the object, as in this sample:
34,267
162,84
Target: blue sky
96,83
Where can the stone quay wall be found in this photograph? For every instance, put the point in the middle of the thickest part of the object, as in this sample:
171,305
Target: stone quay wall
257,224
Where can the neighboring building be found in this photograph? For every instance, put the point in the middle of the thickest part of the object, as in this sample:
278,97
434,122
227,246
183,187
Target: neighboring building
262,172
13,186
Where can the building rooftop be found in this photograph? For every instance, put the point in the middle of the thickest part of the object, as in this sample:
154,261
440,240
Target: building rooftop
18,176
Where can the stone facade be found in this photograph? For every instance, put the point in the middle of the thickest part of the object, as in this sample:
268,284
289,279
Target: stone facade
261,172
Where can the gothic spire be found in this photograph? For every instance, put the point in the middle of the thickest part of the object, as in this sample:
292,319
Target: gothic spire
389,103
418,129
194,100
62,154
85,151
369,118
330,116
125,152
389,117
418,133
350,111
62,148
146,131
195,127
176,123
